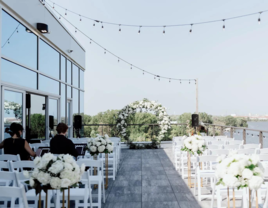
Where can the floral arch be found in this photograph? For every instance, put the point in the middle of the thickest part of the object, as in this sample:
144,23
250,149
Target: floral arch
131,109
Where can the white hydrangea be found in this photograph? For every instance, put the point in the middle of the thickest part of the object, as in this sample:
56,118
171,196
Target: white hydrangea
55,183
56,167
93,149
65,183
255,182
101,148
43,178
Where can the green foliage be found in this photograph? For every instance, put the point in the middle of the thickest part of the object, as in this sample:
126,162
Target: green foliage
38,125
205,118
232,121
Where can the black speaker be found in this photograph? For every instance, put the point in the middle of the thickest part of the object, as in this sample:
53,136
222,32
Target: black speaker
51,122
28,101
77,122
195,120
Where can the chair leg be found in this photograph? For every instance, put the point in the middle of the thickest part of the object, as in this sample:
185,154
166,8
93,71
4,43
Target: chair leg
99,195
219,199
199,187
103,190
90,197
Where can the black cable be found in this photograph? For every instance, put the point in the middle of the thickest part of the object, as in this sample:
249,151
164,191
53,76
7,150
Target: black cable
7,41
119,59
175,25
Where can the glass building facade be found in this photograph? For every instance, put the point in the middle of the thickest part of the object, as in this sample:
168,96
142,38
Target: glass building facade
39,83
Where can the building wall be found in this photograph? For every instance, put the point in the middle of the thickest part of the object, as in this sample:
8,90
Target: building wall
36,64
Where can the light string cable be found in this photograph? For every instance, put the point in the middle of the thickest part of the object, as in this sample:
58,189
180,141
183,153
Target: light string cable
8,39
117,57
167,25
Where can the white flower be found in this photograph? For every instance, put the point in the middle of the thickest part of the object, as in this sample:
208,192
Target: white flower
220,158
56,167
232,152
194,148
220,171
48,156
235,169
26,174
231,181
255,182
35,173
258,172
247,173
110,148
32,182
55,183
106,136
37,160
68,166
255,159
93,149
97,144
43,178
101,148
65,183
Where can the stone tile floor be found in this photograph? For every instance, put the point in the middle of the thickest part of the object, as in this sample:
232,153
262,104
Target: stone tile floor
148,179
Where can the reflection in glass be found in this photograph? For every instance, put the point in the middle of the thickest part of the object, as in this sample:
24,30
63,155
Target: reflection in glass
49,60
53,111
48,85
63,103
36,119
63,69
69,113
69,72
12,109
21,46
18,75
69,92
81,79
75,101
75,75
82,111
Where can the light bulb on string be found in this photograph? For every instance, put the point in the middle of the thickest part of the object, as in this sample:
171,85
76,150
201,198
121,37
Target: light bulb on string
159,79
53,5
8,41
80,18
164,30
104,51
131,66
139,30
259,20
102,27
118,60
94,24
143,72
75,30
189,82
169,80
65,11
119,28
191,30
90,41
154,77
60,17
223,26
180,81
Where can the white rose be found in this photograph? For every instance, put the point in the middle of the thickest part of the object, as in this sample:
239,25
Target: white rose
35,173
93,149
255,182
247,174
101,148
231,181
110,148
56,167
43,178
254,159
55,183
37,160
65,183
26,174
66,174
32,182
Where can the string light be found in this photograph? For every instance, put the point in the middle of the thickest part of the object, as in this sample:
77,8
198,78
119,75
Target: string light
189,82
164,30
167,25
65,11
259,20
143,72
104,51
53,5
131,66
8,39
223,27
169,80
111,53
191,28
102,26
119,28
94,24
75,30
80,18
139,30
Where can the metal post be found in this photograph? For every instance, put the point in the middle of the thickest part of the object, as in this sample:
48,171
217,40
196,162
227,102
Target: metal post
196,87
232,132
261,139
221,130
214,131
244,136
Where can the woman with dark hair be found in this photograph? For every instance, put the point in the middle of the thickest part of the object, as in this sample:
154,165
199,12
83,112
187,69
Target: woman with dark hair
15,144
60,144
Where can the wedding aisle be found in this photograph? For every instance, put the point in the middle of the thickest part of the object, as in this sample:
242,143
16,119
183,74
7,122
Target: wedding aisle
148,179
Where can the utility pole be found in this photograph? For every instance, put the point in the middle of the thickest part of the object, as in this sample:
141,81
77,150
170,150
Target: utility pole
196,86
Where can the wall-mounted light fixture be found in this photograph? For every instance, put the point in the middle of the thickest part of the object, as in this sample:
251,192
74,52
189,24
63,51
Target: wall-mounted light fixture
43,28
28,30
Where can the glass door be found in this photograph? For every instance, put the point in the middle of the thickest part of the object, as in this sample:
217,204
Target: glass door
12,110
53,112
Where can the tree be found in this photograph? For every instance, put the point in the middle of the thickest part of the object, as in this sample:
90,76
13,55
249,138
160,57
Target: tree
205,118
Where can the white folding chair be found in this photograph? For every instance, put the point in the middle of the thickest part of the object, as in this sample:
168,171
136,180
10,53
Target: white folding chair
95,166
111,164
236,142
184,165
263,151
215,147
218,152
216,142
246,151
78,194
226,139
7,157
21,179
251,146
232,147
35,146
177,157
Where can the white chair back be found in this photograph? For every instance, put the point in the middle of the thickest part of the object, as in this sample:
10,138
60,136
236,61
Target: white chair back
216,142
21,165
7,157
263,151
4,165
251,146
226,139
246,151
217,152
35,146
91,164
233,142
215,147
232,147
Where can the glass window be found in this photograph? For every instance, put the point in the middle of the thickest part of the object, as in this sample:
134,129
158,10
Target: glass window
53,111
69,72
12,109
63,69
75,75
49,60
69,92
17,44
82,104
63,103
48,85
18,75
81,79
75,101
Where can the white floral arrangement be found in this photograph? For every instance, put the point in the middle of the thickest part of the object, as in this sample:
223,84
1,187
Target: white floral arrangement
239,171
100,144
53,172
194,144
163,118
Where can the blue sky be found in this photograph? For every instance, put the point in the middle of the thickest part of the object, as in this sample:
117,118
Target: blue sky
231,65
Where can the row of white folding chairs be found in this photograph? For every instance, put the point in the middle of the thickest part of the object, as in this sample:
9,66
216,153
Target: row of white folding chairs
75,194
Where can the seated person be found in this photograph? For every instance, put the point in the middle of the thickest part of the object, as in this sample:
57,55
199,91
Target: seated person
15,144
60,144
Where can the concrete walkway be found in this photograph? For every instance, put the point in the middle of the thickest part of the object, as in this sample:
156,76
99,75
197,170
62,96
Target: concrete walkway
148,179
